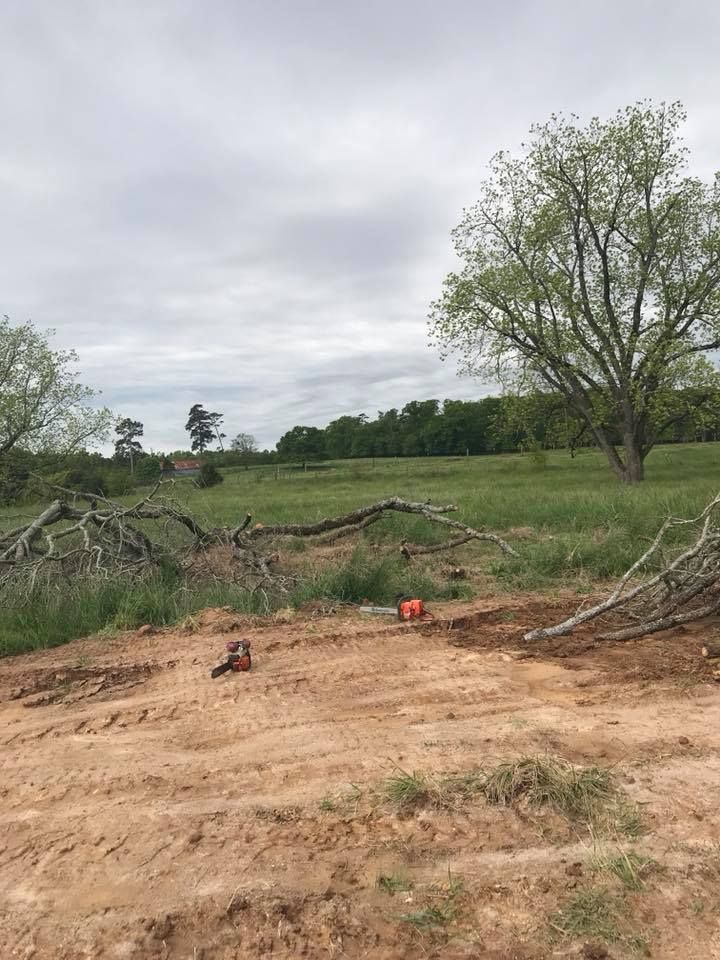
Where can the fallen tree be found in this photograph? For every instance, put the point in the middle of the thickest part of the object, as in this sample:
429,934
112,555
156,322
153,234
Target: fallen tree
85,534
656,593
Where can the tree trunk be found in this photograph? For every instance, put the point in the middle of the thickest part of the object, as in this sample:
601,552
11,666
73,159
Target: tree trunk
634,459
608,448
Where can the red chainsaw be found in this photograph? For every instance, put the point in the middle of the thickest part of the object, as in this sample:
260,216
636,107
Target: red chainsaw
407,608
238,658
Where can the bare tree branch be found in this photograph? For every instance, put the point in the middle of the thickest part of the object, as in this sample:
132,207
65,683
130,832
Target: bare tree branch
109,538
685,589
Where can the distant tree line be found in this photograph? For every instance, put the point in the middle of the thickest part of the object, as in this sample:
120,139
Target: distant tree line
47,420
428,428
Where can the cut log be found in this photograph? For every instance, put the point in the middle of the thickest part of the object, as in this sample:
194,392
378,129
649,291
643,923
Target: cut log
711,649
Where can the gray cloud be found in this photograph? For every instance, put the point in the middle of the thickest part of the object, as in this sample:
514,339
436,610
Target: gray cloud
247,204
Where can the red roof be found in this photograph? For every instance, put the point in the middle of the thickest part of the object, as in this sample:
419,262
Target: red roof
187,464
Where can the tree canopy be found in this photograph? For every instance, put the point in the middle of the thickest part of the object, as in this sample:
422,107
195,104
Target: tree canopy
591,268
203,427
302,444
127,445
42,404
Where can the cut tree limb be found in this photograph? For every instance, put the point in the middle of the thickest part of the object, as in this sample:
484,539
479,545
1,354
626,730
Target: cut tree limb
341,532
110,538
711,649
684,589
348,519
409,550
471,533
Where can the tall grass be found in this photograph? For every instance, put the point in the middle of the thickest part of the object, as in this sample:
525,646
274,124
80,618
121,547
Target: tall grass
53,615
578,524
369,577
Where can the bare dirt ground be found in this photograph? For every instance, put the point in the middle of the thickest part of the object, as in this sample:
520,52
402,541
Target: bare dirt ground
149,811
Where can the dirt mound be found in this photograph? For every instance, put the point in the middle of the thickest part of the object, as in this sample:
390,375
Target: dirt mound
149,811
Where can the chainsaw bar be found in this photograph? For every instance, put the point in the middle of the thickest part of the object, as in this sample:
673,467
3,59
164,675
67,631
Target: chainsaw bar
220,670
390,611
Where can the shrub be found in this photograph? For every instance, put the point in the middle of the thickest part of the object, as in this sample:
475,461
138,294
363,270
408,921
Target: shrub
209,476
148,470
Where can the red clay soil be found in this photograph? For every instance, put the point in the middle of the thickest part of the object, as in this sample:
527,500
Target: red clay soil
149,811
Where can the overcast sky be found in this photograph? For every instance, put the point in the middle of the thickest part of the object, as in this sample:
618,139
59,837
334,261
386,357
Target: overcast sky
247,204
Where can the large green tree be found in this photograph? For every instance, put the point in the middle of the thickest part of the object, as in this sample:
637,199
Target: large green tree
591,266
302,444
43,407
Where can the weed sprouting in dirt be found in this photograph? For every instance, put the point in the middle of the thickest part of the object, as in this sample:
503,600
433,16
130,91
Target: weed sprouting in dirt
575,792
441,907
637,943
427,918
407,790
626,818
341,802
628,866
595,913
393,883
460,787
587,795
590,912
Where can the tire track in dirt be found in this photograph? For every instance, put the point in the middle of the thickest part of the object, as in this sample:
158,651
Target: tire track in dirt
138,811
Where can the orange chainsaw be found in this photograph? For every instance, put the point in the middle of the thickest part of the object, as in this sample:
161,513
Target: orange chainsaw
407,608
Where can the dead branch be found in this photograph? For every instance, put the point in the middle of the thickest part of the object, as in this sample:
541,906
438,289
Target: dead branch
471,534
348,519
682,590
108,538
409,550
352,528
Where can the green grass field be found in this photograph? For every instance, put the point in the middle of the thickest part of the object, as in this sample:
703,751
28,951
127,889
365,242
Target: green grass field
571,520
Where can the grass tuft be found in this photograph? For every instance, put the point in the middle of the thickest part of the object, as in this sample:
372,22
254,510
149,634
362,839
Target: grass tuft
407,790
627,819
590,912
585,794
630,868
365,576
546,781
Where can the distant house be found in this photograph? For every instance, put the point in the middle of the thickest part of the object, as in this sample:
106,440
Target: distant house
182,468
